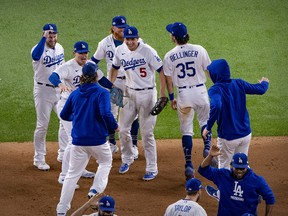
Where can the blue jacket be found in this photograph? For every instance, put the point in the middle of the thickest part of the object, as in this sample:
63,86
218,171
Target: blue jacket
238,196
89,109
228,101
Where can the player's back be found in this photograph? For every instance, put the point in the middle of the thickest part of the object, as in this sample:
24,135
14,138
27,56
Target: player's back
187,64
185,207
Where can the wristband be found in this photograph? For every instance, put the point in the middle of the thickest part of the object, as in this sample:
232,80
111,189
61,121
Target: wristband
171,96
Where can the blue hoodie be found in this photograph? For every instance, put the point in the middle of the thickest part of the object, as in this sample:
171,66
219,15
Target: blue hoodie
228,101
89,109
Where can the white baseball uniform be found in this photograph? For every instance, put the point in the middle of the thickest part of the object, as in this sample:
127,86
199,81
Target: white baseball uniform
46,97
105,50
69,74
186,65
141,95
185,207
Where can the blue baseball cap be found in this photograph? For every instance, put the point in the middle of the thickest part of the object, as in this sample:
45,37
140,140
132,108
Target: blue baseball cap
130,32
107,203
193,184
81,47
50,26
177,29
240,160
89,69
119,22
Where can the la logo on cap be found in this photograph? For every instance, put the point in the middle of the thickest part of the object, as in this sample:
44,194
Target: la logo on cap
122,20
240,160
107,203
51,27
129,31
83,46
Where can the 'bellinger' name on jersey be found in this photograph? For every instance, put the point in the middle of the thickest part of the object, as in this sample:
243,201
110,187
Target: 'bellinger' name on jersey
186,64
139,65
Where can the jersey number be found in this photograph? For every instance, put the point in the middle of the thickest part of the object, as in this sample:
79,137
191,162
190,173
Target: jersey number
143,72
186,69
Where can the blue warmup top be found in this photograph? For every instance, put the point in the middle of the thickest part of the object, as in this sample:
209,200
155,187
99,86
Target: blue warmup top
228,101
238,196
89,109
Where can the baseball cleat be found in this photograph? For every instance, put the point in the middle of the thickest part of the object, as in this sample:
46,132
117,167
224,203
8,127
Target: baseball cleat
189,173
92,193
87,174
123,168
211,191
150,176
42,166
59,159
135,152
114,148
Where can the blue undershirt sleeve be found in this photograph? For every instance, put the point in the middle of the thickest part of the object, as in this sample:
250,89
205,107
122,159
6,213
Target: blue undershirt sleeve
115,67
105,83
159,69
55,79
95,60
39,49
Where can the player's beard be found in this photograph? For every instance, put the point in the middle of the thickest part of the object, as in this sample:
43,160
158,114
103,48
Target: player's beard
118,36
51,43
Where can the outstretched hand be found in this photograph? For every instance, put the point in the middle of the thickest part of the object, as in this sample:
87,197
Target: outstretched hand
204,133
214,150
263,79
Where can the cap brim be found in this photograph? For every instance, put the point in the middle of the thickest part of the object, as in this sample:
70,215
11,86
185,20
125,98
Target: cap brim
121,26
82,51
240,166
107,209
169,28
131,36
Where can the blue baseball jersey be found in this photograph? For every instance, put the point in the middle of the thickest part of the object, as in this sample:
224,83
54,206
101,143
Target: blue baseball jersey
238,196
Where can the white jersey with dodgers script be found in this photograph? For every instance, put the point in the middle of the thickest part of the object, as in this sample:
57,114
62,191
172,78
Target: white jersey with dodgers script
70,73
49,61
185,207
140,65
186,65
106,49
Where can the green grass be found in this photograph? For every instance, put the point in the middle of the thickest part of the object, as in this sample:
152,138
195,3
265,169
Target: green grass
251,35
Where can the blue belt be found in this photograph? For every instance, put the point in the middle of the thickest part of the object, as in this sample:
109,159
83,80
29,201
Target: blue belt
184,87
122,77
49,85
138,89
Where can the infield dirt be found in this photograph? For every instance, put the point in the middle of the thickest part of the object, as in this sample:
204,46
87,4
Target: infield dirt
24,190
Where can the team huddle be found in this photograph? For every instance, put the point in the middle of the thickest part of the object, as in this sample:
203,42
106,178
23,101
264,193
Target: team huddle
90,114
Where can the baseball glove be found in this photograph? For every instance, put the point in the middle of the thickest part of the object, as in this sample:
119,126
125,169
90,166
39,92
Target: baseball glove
159,106
116,96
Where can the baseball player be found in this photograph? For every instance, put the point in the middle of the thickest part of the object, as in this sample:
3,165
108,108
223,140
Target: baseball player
106,49
184,68
88,107
228,107
47,55
105,206
140,62
67,78
189,205
239,187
